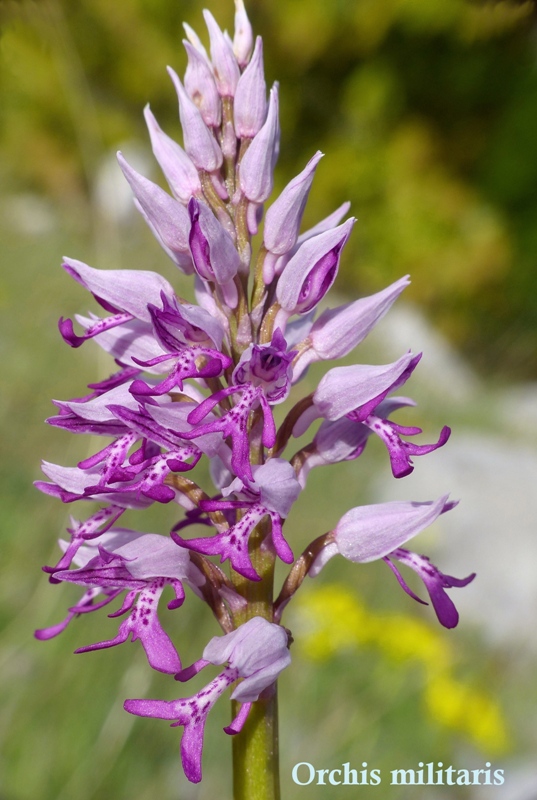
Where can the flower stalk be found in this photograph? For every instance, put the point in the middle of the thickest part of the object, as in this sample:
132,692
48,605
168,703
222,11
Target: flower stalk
256,773
256,770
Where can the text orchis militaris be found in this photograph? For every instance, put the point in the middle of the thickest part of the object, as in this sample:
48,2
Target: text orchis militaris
426,774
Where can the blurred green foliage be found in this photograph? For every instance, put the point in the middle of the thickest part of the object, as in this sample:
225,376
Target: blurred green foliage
426,109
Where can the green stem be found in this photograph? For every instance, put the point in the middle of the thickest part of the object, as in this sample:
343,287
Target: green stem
255,749
255,754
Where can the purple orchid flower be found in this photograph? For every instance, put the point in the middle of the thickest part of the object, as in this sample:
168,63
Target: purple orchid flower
143,564
368,533
183,334
125,293
268,366
69,484
81,532
135,484
263,377
357,393
341,440
92,415
234,423
257,652
271,493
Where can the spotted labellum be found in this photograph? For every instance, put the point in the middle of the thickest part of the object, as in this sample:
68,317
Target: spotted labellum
200,381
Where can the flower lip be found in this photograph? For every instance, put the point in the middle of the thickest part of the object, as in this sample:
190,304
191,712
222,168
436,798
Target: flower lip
435,582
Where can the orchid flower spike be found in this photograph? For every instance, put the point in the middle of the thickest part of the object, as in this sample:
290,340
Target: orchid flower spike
209,391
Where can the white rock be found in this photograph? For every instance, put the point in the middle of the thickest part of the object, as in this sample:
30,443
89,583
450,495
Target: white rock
492,532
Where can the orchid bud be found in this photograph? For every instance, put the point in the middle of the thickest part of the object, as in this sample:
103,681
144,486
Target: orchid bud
243,38
200,85
312,270
213,252
200,144
274,265
167,218
196,42
250,106
283,218
226,69
257,165
179,171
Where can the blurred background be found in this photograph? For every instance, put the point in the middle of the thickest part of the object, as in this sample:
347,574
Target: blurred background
427,113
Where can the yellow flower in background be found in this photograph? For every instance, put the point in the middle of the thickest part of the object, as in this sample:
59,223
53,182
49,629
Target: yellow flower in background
463,708
333,620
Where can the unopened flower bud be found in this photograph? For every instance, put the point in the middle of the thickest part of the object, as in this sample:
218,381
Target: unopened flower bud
283,218
195,40
200,144
243,38
226,69
200,85
250,106
213,252
257,165
179,171
312,270
166,217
